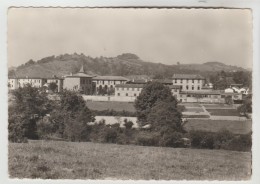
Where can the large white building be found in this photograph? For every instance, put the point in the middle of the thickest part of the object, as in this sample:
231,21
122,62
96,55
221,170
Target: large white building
189,82
16,82
131,90
80,82
106,84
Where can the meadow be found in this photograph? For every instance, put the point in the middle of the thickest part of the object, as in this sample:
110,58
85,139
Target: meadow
74,160
116,106
236,127
223,112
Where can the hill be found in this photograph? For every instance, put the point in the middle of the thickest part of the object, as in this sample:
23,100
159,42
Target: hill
125,65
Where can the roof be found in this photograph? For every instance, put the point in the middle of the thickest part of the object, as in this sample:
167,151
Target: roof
187,76
130,85
174,86
81,70
138,81
110,78
79,75
57,78
164,81
213,92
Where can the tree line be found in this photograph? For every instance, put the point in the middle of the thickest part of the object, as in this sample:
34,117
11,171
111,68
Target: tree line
32,115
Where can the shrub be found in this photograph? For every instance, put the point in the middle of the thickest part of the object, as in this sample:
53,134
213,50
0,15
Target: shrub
221,140
145,138
241,143
202,139
170,139
128,124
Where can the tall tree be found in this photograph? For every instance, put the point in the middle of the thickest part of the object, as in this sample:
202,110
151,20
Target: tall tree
152,93
27,107
72,117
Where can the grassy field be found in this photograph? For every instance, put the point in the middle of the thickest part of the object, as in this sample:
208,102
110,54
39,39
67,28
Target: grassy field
193,109
117,106
223,112
237,127
67,160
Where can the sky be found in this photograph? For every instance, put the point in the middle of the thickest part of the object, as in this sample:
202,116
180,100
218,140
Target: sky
163,36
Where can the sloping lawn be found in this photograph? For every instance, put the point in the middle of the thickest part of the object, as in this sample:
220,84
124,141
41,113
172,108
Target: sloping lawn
67,160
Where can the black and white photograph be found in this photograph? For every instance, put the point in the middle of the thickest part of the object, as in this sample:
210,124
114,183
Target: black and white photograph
130,93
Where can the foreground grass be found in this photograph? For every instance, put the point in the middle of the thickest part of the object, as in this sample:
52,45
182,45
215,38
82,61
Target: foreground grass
236,127
67,160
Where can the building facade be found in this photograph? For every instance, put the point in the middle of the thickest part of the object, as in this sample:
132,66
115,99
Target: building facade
131,90
15,83
189,82
80,82
106,84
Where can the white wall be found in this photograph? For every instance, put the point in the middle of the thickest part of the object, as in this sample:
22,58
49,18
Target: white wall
109,98
110,120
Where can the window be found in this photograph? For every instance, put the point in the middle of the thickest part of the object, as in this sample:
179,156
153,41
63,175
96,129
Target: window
175,80
192,87
198,88
192,80
137,89
133,89
127,89
180,95
126,94
134,94
118,94
188,95
181,87
176,90
187,87
181,80
123,89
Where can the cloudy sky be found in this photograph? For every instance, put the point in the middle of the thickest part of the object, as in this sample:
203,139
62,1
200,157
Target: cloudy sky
157,35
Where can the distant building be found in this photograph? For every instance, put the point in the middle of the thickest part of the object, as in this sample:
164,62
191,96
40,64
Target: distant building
15,83
202,96
131,90
80,82
189,82
12,83
56,80
106,84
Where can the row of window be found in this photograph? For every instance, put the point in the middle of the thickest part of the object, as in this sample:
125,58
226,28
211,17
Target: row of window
192,87
31,80
108,82
118,94
85,81
187,80
127,89
202,96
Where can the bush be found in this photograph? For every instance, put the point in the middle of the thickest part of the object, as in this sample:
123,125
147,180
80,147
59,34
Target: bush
128,124
110,135
171,139
241,143
147,138
223,139
202,139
